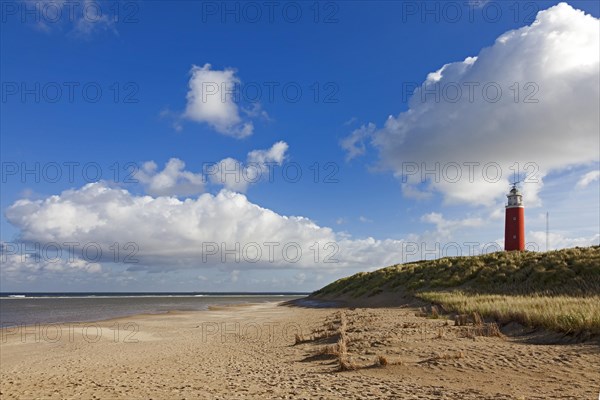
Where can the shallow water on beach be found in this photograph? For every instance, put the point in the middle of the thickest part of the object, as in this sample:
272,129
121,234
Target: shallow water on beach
30,309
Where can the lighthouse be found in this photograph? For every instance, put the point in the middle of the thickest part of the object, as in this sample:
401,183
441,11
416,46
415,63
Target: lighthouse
514,227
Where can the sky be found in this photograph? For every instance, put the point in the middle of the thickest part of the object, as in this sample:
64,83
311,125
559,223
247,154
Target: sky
278,146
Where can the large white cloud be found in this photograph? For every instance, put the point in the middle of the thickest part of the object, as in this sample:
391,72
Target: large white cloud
211,99
173,233
224,230
552,122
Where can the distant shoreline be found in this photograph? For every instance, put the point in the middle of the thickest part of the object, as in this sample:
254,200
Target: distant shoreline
40,310
4,295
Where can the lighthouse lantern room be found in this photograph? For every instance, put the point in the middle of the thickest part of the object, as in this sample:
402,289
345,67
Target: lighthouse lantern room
514,227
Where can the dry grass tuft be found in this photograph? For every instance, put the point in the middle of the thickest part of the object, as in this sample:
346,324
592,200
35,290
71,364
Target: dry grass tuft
461,320
487,330
424,312
343,323
446,356
382,361
322,335
346,364
342,347
440,333
329,350
477,320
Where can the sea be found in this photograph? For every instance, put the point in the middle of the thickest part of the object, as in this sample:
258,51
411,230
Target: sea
47,308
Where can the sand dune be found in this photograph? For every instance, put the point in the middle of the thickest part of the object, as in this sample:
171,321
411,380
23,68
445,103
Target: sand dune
251,352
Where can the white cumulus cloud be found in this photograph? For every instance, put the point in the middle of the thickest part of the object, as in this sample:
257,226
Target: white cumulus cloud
171,233
354,144
210,99
588,178
531,98
173,180
237,176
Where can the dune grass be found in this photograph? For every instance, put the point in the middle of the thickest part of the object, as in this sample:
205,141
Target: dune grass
557,290
567,314
574,271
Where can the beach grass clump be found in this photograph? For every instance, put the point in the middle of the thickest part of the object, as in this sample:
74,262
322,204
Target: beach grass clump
346,364
486,330
329,350
382,361
340,349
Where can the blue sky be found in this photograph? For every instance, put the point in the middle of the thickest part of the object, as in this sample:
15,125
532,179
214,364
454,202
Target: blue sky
362,57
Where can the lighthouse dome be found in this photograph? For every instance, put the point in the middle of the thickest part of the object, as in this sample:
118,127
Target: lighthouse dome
514,198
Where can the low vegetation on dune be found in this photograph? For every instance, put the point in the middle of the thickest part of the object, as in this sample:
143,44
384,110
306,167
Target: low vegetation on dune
573,271
557,290
561,313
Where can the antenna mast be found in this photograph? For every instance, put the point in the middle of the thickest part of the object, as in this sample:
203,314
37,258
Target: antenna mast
547,229
516,179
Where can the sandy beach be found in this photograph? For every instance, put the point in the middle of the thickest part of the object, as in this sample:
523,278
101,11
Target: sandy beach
271,351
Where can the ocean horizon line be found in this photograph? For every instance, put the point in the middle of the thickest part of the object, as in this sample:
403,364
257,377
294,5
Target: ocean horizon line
142,294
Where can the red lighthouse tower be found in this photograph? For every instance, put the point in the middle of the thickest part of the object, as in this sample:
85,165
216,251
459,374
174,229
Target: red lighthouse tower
514,227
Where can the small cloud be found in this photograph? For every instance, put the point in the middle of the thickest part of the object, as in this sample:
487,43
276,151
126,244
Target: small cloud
27,193
340,221
175,117
94,18
477,3
210,100
237,176
588,178
364,219
350,121
354,144
84,19
173,180
256,111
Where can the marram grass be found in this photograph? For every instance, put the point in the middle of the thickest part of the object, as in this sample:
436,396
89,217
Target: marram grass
572,272
567,314
557,290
